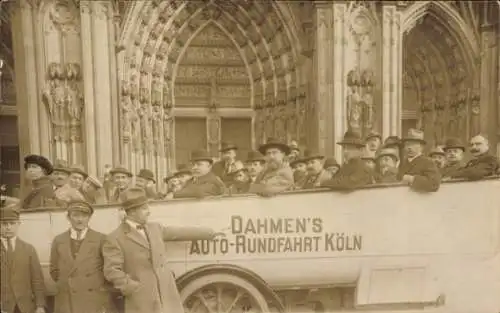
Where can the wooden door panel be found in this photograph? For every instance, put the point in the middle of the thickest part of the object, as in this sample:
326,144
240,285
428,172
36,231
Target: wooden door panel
239,132
190,134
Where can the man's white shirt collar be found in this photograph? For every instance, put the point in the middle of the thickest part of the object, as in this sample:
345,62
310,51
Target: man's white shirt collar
6,244
134,226
73,234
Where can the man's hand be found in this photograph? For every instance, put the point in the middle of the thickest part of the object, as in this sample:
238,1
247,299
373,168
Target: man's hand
408,179
40,310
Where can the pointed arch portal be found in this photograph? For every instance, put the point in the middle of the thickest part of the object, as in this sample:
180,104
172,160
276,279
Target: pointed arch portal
201,64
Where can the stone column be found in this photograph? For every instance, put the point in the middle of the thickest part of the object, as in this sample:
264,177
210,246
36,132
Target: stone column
100,106
31,135
392,70
489,82
324,63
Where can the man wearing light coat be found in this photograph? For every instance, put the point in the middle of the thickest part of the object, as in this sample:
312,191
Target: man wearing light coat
135,257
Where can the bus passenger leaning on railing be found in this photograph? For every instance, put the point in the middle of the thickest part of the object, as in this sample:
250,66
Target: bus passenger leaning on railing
38,170
483,164
277,177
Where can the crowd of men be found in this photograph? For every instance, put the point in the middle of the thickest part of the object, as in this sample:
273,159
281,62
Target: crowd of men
126,270
276,167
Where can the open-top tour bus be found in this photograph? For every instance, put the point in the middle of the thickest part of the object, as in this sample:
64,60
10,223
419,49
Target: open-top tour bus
379,249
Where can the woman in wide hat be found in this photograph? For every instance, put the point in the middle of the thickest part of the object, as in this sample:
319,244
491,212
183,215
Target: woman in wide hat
38,170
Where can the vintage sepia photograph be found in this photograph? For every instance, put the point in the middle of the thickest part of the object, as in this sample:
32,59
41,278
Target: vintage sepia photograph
249,156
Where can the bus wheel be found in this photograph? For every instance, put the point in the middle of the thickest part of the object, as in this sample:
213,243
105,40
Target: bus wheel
222,293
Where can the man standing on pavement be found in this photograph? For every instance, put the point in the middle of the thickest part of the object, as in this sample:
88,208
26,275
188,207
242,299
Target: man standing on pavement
22,284
135,257
76,265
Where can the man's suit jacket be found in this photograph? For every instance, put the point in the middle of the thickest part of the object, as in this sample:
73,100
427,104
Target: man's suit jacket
315,181
138,268
41,195
203,186
478,168
22,281
272,181
425,171
81,287
351,175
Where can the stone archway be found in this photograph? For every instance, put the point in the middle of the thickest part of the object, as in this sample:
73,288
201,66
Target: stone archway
440,75
155,38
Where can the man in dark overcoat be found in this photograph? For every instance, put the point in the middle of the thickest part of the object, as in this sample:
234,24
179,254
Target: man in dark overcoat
482,164
76,265
22,283
417,170
135,258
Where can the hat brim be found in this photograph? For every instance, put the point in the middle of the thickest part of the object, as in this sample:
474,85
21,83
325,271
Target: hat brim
134,203
422,141
61,169
284,148
209,160
147,178
454,147
356,143
373,136
387,154
129,174
85,175
313,157
437,153
228,148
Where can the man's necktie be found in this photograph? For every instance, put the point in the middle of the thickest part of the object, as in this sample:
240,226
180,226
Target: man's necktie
10,251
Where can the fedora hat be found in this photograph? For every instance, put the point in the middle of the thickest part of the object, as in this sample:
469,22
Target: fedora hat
311,155
226,146
120,169
39,160
351,139
133,198
78,169
147,174
80,206
453,143
331,162
392,141
9,213
436,150
201,155
373,134
274,143
388,152
61,166
255,156
415,135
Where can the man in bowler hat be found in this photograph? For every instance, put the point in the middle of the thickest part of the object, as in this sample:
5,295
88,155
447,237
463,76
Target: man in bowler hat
22,283
76,265
135,257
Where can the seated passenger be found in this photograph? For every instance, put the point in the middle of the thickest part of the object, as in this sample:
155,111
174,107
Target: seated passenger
439,158
176,181
93,191
255,164
299,168
387,166
38,170
294,152
354,173
241,181
316,174
393,142
121,179
482,164
331,165
373,142
146,180
60,174
454,150
228,162
204,182
277,177
77,176
418,171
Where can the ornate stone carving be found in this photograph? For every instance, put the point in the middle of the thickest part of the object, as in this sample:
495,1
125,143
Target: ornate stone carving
198,91
64,100
360,106
233,91
64,16
206,73
200,55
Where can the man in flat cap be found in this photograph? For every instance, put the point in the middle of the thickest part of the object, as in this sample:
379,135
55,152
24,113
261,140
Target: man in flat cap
145,179
22,282
77,176
277,177
121,178
228,162
38,170
417,170
316,174
135,258
204,182
438,156
354,173
60,174
76,263
373,142
93,191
